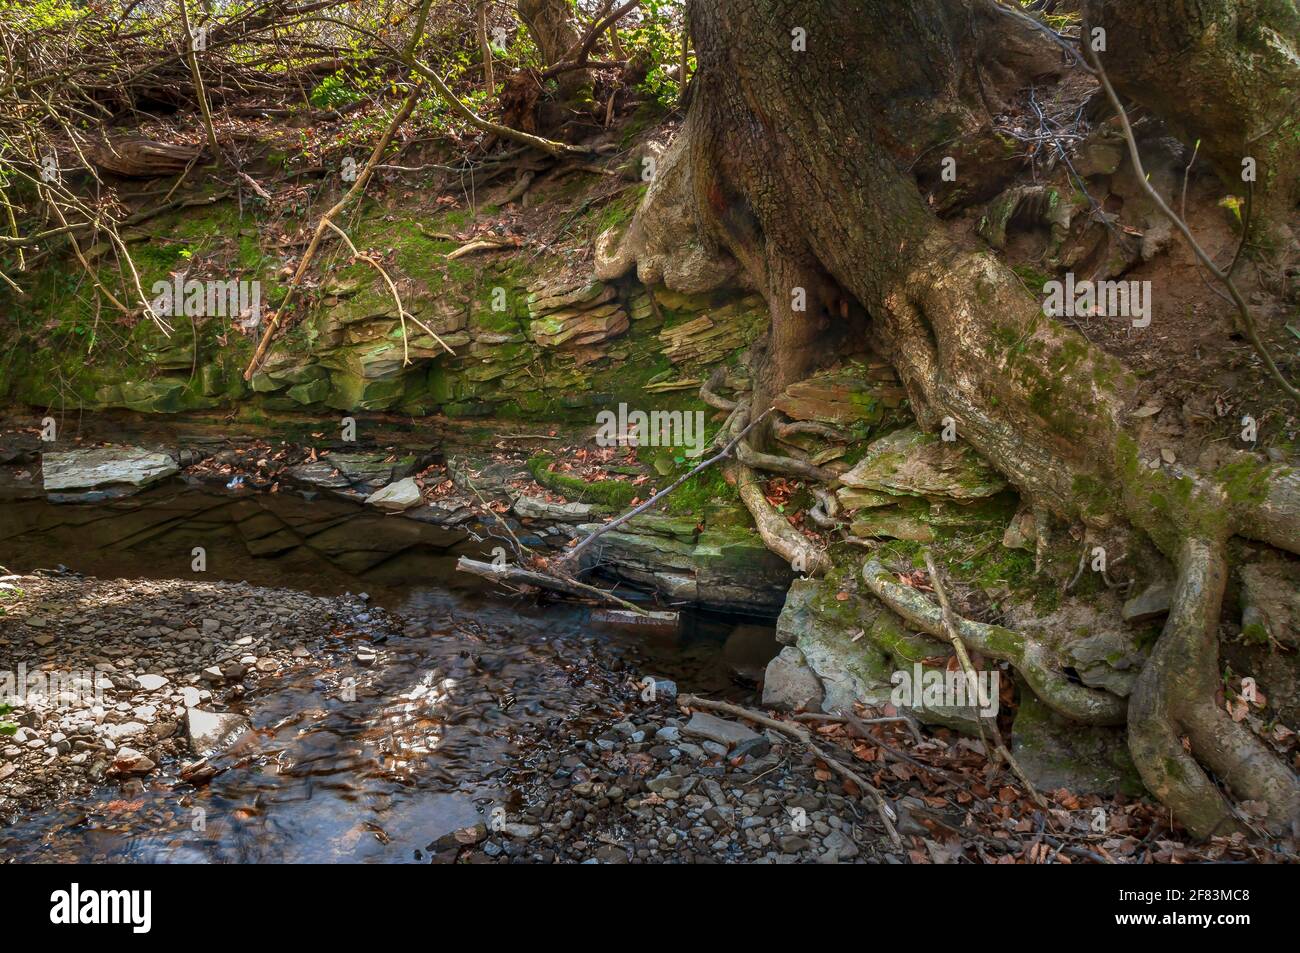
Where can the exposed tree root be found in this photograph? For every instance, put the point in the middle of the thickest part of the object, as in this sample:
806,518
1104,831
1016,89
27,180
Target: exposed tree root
787,428
786,466
778,535
1028,656
767,131
709,389
1175,697
825,513
951,631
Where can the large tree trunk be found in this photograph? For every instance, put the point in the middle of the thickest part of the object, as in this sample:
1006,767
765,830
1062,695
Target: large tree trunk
1225,73
551,25
800,164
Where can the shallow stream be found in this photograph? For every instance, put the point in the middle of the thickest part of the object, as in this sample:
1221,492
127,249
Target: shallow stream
459,705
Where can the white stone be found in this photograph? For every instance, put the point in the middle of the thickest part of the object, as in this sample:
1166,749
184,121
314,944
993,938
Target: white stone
397,496
91,467
212,731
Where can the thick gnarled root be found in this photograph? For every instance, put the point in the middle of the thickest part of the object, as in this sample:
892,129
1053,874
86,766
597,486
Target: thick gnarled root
1029,657
1174,697
803,555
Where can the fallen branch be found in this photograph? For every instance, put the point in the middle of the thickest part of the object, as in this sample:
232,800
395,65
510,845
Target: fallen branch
570,554
804,736
1223,277
539,580
402,313
859,726
363,177
968,669
200,93
549,146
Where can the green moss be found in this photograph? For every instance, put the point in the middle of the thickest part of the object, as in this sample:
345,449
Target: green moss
1033,278
1255,634
614,493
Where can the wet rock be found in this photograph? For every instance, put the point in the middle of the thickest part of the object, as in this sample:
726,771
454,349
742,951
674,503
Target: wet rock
353,476
210,732
130,761
789,682
665,689
521,831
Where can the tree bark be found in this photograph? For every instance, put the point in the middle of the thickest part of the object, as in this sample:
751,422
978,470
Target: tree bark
806,120
1225,73
485,48
551,25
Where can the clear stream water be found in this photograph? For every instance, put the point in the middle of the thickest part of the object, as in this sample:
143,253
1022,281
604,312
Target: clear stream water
319,780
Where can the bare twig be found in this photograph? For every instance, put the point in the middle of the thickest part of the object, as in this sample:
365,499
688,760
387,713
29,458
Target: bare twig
363,177
570,554
968,669
1247,320
805,737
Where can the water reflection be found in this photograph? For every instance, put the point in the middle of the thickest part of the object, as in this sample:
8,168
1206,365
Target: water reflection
455,706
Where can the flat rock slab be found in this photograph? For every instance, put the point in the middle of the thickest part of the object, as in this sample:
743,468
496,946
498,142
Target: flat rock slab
535,508
352,475
396,497
910,462
712,728
1149,604
114,468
